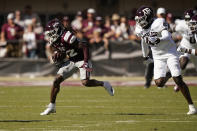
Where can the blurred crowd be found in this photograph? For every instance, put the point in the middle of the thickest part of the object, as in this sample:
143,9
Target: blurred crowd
22,34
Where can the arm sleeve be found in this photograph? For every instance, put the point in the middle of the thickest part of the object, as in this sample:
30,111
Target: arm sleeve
145,49
69,37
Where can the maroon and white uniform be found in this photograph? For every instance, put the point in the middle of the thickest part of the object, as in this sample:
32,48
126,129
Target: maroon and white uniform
11,33
77,54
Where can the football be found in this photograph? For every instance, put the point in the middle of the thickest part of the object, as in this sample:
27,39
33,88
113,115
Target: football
58,56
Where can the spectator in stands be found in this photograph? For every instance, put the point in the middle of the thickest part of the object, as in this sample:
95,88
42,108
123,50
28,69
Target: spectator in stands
37,26
11,33
66,21
18,19
115,27
30,45
132,26
170,21
77,22
161,12
97,32
30,16
88,24
124,28
97,38
107,29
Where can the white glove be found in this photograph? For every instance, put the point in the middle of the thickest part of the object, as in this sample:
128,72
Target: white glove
182,49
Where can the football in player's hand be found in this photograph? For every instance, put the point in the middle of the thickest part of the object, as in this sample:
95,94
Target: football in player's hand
153,40
58,56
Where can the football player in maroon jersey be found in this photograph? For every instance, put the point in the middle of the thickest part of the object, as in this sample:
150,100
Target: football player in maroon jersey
70,54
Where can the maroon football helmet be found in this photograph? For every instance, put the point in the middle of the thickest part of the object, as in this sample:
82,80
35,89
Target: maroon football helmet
144,16
188,15
193,24
53,30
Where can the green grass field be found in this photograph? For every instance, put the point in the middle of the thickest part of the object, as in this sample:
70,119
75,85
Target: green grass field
92,109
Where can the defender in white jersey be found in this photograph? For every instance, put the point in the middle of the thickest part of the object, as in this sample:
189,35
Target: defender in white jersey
154,33
192,38
188,39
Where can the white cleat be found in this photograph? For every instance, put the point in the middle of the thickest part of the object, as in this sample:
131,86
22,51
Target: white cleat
50,109
192,110
109,88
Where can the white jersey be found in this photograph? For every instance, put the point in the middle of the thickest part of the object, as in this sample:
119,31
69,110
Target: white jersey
181,27
162,50
189,40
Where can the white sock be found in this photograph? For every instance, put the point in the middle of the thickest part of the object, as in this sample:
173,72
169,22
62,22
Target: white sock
52,105
191,106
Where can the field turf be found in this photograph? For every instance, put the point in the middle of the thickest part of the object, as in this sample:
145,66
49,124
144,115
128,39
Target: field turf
92,109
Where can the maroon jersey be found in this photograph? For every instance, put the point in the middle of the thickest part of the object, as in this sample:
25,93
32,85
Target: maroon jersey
75,50
87,23
11,33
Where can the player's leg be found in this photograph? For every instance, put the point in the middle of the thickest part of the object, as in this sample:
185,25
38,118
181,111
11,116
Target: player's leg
148,74
186,93
86,81
174,66
168,76
160,67
54,91
183,87
56,88
183,63
64,72
194,61
183,60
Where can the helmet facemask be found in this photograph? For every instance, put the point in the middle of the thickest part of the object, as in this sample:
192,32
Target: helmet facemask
187,19
51,35
192,26
144,17
53,31
141,21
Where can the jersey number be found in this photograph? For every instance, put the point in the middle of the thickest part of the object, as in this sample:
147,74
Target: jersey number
192,40
71,53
